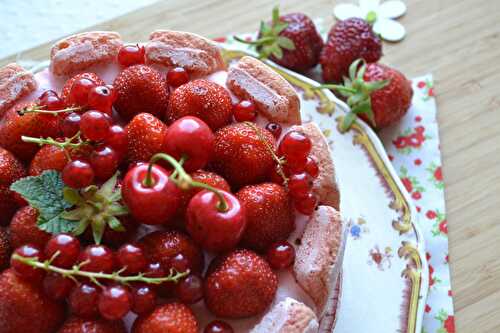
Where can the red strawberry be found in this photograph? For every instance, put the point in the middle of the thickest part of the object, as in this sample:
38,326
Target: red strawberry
290,40
48,158
270,216
24,308
243,154
67,86
11,169
146,137
23,229
203,99
169,318
79,325
5,249
240,284
347,41
139,89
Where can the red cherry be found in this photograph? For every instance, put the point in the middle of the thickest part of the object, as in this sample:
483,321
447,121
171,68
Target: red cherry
281,255
68,247
117,139
94,125
56,286
83,300
275,129
25,271
50,101
143,299
129,55
192,138
307,204
190,290
104,161
99,258
177,76
312,167
299,185
244,111
114,302
155,204
295,145
70,125
101,98
78,174
218,326
132,257
79,93
215,230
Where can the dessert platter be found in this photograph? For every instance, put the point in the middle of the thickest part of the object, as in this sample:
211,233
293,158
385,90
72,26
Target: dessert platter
177,185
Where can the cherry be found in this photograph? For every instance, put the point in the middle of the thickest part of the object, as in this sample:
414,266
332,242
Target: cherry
312,167
190,290
275,129
306,204
215,228
83,300
114,302
281,255
70,125
98,258
299,185
151,200
101,98
129,55
25,271
218,326
117,139
132,257
68,248
79,92
104,161
244,111
50,101
295,145
94,125
78,174
143,299
56,286
177,76
192,138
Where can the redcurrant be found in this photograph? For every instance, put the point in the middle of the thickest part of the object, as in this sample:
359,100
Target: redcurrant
94,125
295,145
281,255
117,139
312,167
132,257
306,204
56,286
101,98
244,111
218,326
143,299
26,271
275,129
50,101
299,185
67,247
70,125
114,302
83,300
129,55
97,258
104,161
190,290
78,174
177,76
79,93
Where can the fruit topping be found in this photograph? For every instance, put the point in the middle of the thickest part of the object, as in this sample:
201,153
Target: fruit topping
23,229
130,55
177,76
145,137
244,111
280,255
218,326
91,79
169,318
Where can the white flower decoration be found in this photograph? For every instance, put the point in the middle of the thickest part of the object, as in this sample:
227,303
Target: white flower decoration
380,15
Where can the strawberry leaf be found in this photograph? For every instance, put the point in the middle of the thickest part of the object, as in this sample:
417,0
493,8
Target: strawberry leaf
286,43
347,121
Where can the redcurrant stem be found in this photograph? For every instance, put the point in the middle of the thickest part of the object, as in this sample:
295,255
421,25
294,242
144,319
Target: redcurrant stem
40,109
46,265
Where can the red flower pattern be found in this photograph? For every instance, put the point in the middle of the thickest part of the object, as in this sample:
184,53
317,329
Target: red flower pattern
449,324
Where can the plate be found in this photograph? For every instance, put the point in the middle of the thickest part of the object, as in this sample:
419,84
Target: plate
385,275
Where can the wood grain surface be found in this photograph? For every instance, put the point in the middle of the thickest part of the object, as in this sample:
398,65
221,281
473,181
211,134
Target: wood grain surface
459,42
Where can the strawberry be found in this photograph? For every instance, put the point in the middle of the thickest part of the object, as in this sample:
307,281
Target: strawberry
79,325
5,249
13,125
11,169
146,137
139,89
203,99
240,284
270,216
347,41
379,94
23,229
169,318
48,158
24,307
243,154
290,40
66,89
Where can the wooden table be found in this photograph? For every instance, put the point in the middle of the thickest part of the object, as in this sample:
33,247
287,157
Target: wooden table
459,42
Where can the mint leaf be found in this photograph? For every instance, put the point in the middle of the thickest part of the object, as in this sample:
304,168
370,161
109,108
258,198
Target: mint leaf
45,193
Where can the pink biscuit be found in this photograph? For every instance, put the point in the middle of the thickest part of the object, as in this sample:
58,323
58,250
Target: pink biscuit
196,54
15,83
78,52
273,96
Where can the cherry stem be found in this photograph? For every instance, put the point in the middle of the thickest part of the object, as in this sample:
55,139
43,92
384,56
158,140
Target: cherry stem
40,109
67,143
46,265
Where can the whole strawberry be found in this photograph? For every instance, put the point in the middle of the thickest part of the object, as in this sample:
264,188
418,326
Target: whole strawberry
48,158
23,229
11,169
269,214
66,89
146,137
240,284
347,41
140,89
5,249
203,99
290,40
80,325
168,318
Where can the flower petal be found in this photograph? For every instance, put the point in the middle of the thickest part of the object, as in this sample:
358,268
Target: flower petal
346,10
390,30
369,5
392,9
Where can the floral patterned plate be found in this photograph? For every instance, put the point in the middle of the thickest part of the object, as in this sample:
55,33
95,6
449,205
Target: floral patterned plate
385,274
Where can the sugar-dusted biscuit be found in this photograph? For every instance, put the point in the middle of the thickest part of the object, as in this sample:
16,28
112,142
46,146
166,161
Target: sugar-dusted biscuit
15,83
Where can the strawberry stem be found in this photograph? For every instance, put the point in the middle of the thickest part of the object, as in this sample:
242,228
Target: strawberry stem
40,109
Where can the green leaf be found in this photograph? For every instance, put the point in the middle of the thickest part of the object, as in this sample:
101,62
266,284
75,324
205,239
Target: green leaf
109,186
353,68
45,193
265,29
276,14
115,224
116,209
71,195
347,121
279,27
82,226
277,52
376,85
356,98
286,43
98,226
